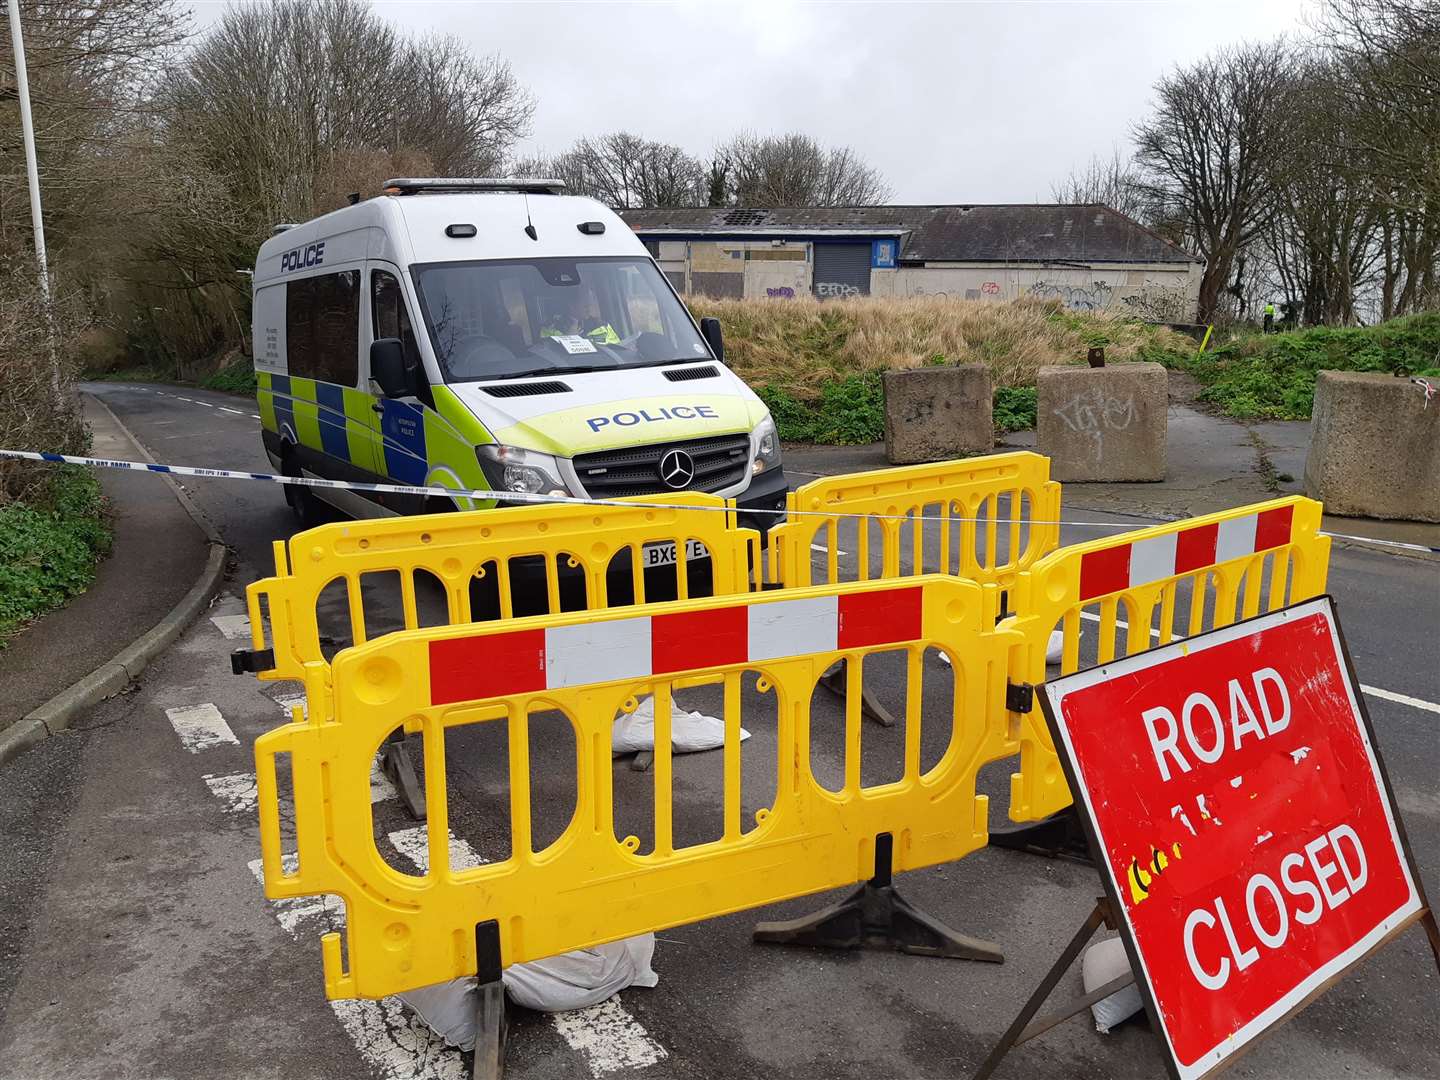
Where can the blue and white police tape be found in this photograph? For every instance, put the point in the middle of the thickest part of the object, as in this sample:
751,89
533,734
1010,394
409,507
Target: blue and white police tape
482,493
527,497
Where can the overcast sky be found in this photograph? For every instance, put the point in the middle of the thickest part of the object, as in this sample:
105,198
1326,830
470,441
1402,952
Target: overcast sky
953,101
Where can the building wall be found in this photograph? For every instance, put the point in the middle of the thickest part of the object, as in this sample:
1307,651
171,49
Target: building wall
1160,292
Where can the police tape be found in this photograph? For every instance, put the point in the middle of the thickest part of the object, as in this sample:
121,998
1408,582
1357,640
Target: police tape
571,500
506,496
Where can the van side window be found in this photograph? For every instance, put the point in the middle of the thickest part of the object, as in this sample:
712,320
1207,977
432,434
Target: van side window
322,327
389,316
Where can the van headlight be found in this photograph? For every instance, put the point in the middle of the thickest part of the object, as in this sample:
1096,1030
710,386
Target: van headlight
767,446
511,468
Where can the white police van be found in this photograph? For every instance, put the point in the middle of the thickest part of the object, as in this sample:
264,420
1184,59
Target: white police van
500,335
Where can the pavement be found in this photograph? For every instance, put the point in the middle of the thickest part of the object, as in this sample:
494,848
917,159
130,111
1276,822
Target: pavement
143,946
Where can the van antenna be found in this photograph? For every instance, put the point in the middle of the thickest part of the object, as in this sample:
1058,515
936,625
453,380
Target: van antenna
529,225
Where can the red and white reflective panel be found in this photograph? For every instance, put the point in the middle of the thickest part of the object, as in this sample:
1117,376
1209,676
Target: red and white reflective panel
1124,566
599,649
1242,822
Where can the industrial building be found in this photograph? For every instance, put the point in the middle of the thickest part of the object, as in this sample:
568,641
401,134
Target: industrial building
1088,257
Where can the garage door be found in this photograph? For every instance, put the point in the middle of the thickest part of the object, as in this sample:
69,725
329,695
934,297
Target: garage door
842,270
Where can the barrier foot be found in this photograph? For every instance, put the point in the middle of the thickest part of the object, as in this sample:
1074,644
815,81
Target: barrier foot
1059,836
1022,1029
835,681
489,1004
395,763
875,916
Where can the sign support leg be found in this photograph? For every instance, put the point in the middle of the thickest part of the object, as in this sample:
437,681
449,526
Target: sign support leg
835,681
395,763
876,916
489,1004
1432,931
1018,1031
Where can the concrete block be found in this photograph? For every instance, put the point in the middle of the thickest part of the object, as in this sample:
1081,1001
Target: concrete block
1102,424
1374,447
937,413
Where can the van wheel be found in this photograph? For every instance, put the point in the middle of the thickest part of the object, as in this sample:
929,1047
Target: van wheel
301,500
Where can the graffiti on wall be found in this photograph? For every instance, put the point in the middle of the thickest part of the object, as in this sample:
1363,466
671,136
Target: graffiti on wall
991,288
830,289
783,292
1090,297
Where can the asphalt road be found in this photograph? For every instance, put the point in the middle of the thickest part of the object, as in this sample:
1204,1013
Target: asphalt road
155,954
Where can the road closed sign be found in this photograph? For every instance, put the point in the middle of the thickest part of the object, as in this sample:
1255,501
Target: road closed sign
1242,820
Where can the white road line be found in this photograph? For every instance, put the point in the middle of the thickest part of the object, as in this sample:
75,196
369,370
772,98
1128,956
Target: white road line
237,791
1401,699
237,412
253,415
823,549
394,1045
190,400
232,626
1373,691
609,1038
413,844
205,403
290,701
201,727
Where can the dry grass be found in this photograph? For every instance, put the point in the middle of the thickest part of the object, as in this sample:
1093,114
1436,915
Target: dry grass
800,344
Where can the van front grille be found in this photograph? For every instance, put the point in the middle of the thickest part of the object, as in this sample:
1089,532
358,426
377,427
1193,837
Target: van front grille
635,470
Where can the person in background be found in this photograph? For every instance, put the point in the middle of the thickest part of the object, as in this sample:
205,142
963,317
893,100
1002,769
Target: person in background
1269,317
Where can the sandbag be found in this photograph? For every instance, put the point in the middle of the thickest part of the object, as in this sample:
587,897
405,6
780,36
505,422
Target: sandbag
689,731
1104,962
573,980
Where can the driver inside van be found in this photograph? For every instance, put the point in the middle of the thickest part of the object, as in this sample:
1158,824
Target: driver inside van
573,316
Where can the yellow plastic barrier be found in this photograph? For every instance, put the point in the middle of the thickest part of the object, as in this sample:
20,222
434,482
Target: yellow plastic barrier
1173,580
573,555
998,515
590,886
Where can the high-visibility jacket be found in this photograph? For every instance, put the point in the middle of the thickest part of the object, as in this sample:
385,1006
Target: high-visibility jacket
604,333
1269,309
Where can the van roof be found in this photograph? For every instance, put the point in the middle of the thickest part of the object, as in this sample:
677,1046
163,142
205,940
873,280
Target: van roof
408,229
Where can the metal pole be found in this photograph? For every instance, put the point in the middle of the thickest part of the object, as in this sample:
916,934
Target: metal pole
32,172
27,128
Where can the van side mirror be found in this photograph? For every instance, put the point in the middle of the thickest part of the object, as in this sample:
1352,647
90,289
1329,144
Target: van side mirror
710,331
387,367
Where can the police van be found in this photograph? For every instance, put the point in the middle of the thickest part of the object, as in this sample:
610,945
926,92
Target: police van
498,335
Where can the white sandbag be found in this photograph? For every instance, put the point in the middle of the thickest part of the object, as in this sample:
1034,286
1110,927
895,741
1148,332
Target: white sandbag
1054,648
585,977
572,981
448,1009
1104,962
689,731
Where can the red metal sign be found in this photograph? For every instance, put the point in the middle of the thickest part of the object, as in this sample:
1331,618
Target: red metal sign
1242,820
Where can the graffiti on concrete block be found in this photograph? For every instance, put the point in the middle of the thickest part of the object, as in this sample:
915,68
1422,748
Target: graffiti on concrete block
783,292
1094,412
830,289
1090,297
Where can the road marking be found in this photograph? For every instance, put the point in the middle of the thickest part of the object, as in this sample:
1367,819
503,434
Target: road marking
200,727
394,1045
205,403
609,1038
190,400
254,415
825,550
414,845
237,412
1373,691
287,702
237,791
232,626
1401,699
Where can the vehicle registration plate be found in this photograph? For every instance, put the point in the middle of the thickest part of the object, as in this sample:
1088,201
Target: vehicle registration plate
663,553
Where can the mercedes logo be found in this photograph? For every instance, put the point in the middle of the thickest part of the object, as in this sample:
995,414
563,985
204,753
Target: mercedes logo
677,469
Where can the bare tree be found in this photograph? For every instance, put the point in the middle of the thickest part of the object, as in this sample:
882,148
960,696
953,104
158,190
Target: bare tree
1208,153
625,170
793,170
1112,182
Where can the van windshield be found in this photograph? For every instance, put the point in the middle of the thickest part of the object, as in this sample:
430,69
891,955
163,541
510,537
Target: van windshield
505,319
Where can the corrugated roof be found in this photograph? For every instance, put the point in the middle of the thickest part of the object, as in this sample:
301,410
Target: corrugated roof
982,233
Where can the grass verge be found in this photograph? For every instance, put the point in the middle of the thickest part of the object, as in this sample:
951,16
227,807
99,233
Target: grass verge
49,547
1272,376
